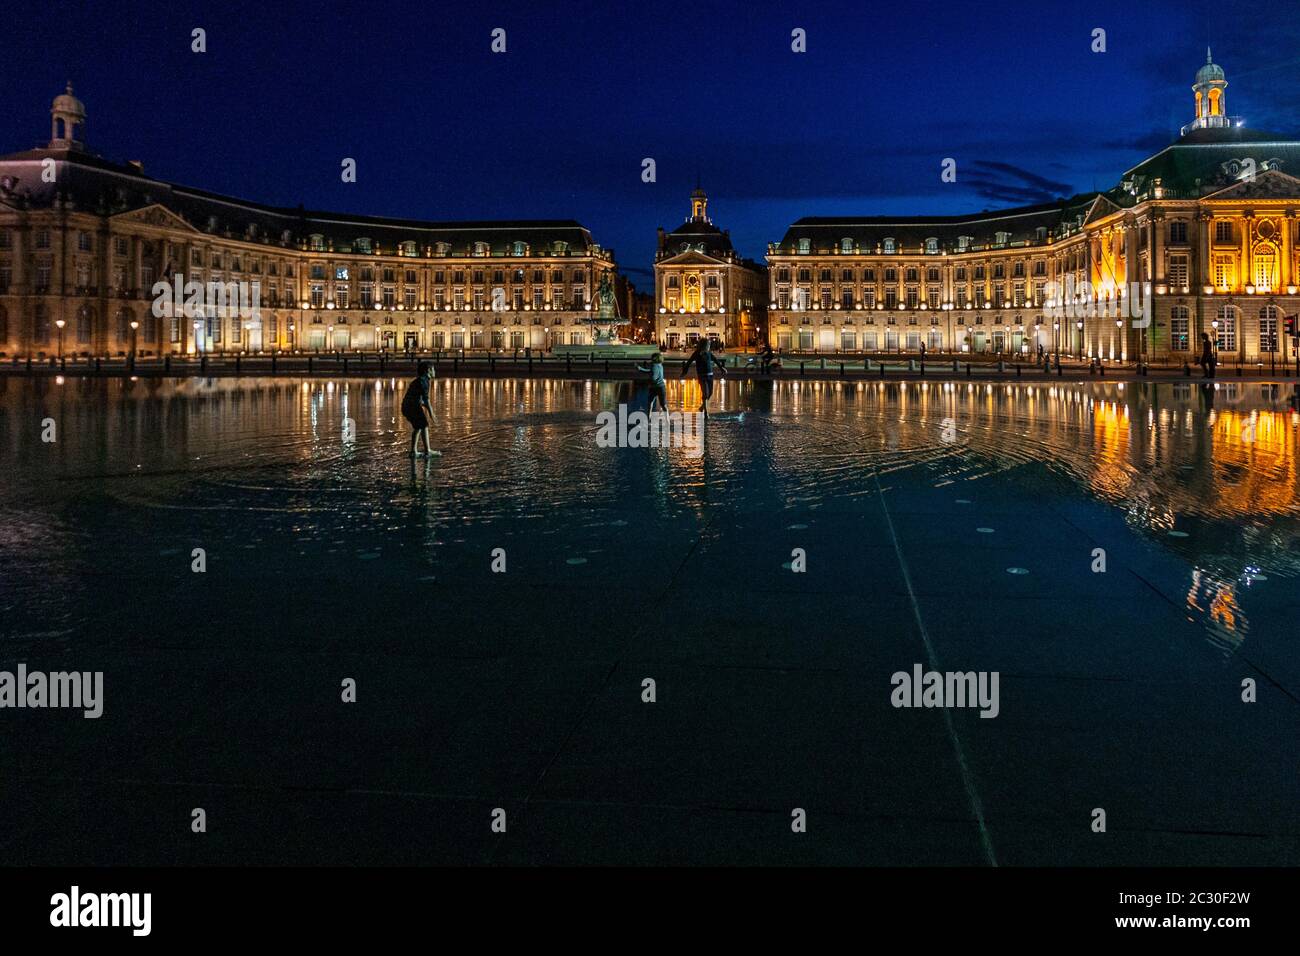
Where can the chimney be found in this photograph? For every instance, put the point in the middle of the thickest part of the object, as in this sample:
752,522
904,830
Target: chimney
661,238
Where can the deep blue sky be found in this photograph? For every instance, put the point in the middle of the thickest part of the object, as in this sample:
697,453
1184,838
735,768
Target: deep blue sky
557,127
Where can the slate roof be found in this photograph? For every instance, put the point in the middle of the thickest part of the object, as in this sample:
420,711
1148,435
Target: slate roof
98,185
910,232
1200,162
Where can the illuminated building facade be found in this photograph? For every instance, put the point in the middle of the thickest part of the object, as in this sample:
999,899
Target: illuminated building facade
84,240
703,287
1202,237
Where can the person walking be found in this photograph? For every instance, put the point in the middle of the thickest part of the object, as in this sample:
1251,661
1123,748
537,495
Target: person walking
1208,360
417,410
704,361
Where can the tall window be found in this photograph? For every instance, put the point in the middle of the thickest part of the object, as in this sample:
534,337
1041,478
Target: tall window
1226,336
1178,232
1178,271
1179,328
1223,271
1268,328
1265,261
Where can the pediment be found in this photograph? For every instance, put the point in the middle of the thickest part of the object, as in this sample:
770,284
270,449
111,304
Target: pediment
691,257
1101,208
155,214
1270,184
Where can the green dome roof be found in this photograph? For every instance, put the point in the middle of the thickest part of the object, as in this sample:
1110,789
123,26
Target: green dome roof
1210,72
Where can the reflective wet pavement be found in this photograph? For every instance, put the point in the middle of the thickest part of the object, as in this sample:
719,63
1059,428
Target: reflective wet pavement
330,557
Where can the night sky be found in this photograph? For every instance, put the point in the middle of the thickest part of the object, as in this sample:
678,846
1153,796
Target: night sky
557,127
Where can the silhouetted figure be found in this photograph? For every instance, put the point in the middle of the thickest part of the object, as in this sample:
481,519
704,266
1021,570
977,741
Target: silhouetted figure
704,361
1207,359
417,410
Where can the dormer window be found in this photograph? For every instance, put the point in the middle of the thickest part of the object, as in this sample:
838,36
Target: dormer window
963,243
520,248
408,248
1001,238
846,245
805,246
931,247
317,242
889,246
1041,233
559,247
481,249
442,248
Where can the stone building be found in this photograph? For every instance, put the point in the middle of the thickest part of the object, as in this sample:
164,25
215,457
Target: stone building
703,287
84,242
1202,237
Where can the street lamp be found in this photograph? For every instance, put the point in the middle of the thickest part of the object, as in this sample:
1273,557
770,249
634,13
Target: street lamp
134,325
1056,340
1079,326
60,323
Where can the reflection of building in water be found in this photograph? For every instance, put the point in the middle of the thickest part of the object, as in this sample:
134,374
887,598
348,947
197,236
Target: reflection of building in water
1206,229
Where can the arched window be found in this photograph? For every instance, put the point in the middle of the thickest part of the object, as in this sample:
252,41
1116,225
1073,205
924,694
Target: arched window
805,246
888,245
1225,336
846,245
931,246
1265,267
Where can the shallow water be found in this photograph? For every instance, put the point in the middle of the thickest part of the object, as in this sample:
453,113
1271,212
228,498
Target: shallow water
1209,474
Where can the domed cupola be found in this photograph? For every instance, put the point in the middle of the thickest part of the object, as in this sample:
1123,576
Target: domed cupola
1211,100
699,205
68,121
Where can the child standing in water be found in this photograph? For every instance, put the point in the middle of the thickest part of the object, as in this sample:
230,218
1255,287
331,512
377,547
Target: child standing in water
658,390
704,360
417,410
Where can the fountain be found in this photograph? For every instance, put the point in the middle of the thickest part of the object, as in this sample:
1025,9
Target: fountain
604,322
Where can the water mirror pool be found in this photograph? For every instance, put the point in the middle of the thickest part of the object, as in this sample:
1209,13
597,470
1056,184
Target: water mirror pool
1125,555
